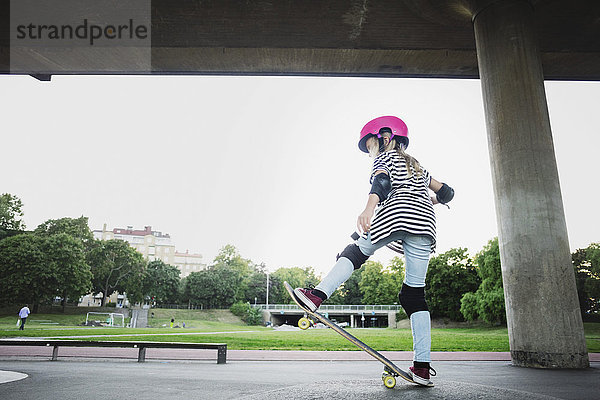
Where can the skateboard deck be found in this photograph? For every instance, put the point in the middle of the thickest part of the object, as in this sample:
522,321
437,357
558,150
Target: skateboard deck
391,371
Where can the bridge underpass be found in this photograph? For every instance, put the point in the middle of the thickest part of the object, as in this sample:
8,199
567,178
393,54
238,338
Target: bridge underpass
512,46
356,316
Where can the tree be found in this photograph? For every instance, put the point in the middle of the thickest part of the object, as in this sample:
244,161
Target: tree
379,284
295,276
230,279
74,227
450,275
10,215
277,293
67,241
215,287
66,258
23,271
116,267
36,268
587,274
229,257
161,282
349,292
256,285
487,303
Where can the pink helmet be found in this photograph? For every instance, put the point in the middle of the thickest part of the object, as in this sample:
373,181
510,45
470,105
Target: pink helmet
375,126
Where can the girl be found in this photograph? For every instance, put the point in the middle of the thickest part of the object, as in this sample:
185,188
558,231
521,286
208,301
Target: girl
404,221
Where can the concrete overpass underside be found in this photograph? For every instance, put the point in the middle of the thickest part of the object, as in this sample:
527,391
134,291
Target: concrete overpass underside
511,45
386,38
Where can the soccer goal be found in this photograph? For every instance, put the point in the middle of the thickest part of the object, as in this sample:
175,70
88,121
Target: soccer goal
105,319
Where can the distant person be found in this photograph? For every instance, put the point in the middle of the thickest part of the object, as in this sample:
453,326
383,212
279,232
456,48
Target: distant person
399,214
172,322
23,314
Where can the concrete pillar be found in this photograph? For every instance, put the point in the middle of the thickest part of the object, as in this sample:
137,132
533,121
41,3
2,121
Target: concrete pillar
544,322
352,323
392,319
266,316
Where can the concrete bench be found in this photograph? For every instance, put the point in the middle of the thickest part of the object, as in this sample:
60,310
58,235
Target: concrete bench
142,346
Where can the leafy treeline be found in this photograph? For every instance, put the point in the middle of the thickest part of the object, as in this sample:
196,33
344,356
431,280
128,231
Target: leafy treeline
587,276
61,259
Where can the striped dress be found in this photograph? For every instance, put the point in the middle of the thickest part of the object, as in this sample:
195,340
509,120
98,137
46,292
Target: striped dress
408,207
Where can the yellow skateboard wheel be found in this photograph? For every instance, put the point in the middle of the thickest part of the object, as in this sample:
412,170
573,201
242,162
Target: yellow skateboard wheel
389,381
304,323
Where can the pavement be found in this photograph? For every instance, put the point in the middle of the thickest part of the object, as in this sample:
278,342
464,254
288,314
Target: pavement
27,373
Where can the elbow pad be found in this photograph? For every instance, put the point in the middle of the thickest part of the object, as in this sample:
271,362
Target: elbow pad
382,186
445,194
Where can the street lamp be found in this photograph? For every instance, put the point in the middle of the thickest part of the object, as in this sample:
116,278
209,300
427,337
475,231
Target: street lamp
267,298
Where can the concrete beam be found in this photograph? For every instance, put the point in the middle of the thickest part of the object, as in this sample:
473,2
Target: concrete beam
544,321
387,38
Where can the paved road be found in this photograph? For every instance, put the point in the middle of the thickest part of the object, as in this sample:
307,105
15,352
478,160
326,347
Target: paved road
84,378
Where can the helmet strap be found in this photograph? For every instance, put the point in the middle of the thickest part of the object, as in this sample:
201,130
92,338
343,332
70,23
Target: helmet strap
381,144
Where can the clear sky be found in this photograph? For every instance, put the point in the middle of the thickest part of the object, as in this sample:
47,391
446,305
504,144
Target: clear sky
267,164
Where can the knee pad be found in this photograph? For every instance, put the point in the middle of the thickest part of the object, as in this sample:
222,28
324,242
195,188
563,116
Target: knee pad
352,252
412,299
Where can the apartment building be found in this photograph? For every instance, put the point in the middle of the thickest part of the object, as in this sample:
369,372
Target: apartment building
188,263
153,245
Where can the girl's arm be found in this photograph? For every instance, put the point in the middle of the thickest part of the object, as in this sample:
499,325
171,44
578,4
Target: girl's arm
364,219
435,186
443,193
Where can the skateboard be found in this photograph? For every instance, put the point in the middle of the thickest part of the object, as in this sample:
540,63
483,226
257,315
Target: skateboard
391,371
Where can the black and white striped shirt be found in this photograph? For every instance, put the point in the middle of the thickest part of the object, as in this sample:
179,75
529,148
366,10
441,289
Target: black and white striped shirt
408,207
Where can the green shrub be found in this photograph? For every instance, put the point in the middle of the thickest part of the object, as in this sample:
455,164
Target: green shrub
491,306
248,314
468,306
254,316
487,302
400,315
239,309
450,275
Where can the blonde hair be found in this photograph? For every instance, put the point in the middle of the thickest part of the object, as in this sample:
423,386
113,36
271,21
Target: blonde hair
411,162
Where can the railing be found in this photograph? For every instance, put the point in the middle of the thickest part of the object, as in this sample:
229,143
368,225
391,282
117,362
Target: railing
331,307
178,306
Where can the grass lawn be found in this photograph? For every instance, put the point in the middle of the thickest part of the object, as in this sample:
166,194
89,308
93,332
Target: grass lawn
46,325
326,339
476,338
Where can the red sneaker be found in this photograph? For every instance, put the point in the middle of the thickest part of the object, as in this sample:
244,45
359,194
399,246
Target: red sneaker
308,299
421,375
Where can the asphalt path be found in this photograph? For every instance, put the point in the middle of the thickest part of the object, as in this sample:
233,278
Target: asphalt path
79,378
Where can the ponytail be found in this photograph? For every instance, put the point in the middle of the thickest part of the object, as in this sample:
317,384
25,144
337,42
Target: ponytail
411,163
